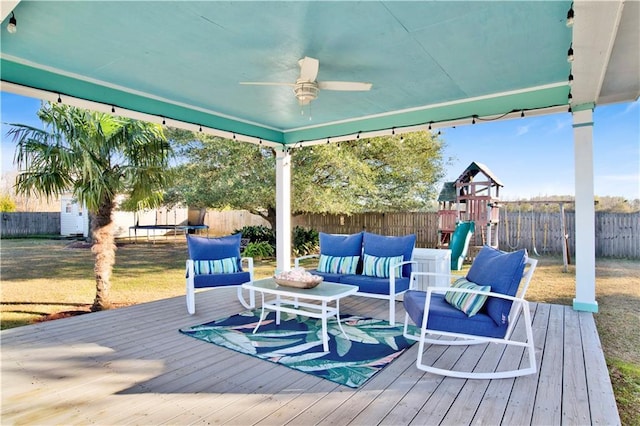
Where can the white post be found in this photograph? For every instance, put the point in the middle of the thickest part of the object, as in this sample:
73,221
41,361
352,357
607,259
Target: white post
283,210
585,299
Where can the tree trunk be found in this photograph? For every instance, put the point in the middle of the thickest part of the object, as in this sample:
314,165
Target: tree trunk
104,250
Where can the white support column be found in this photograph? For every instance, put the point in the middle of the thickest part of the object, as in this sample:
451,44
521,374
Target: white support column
585,299
283,210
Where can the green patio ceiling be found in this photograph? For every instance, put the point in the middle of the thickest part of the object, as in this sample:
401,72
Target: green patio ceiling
427,61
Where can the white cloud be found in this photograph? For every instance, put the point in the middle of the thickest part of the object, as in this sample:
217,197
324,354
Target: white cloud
521,130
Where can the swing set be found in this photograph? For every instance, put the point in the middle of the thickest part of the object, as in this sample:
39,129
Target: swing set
545,219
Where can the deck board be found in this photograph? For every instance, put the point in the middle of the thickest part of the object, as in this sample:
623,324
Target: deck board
132,366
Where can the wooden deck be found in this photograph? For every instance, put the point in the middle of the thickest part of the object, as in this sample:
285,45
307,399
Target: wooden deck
132,366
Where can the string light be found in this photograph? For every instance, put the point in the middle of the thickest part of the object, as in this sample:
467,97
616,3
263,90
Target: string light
522,114
473,119
570,54
164,121
200,129
234,136
59,99
12,26
113,109
358,137
570,96
570,16
430,125
393,131
570,79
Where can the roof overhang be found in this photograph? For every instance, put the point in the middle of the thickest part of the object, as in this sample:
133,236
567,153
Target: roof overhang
432,64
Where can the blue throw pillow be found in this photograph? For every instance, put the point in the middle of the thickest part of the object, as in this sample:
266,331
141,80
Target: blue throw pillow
341,245
201,248
390,246
337,264
228,265
469,303
503,272
380,267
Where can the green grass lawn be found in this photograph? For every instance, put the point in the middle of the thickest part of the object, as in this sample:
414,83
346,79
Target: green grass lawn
44,279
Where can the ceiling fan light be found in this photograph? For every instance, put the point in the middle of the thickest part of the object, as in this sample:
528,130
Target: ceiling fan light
306,92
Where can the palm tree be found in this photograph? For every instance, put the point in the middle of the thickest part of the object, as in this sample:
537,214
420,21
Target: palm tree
96,157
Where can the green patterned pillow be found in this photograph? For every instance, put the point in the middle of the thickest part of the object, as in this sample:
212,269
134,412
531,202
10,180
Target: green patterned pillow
337,264
380,266
219,266
469,303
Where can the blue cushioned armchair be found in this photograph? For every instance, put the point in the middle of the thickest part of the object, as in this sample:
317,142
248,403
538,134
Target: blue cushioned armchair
216,262
480,308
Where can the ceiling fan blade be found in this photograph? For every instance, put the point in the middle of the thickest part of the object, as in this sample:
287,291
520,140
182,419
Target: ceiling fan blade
308,68
266,83
352,86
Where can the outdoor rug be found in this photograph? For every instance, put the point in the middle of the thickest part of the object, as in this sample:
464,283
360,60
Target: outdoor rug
297,343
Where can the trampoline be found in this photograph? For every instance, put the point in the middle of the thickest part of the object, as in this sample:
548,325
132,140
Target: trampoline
174,228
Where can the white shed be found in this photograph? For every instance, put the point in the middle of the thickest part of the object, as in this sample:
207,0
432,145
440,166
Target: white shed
74,217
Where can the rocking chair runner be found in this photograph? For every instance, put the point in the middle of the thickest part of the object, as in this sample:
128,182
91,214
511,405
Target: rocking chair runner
481,308
216,262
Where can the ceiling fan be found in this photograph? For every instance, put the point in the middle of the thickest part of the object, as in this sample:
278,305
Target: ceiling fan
306,87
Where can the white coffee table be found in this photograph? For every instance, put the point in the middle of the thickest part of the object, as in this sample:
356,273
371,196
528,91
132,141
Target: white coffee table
287,299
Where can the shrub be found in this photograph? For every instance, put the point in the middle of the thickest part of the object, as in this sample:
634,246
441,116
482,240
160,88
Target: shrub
305,241
259,250
258,233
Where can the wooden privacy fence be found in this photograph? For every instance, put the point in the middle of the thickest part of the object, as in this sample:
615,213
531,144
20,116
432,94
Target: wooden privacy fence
617,234
30,223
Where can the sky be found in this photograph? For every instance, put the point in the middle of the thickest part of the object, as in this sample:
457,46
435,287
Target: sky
531,156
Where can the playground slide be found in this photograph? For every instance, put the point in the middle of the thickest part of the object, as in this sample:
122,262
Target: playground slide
459,244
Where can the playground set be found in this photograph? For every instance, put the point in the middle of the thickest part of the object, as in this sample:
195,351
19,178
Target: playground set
468,213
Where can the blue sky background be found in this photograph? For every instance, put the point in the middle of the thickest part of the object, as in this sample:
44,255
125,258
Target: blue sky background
531,156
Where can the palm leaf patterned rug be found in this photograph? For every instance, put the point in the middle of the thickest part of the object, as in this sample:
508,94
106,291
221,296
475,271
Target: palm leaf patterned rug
370,345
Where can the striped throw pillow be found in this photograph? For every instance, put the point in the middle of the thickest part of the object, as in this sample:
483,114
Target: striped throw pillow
337,264
219,266
380,266
469,303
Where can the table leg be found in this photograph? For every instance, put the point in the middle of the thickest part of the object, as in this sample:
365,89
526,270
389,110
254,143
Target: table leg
278,302
325,334
338,318
261,315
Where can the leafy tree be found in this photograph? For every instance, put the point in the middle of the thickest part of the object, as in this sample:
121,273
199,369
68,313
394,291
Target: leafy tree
378,174
7,204
96,157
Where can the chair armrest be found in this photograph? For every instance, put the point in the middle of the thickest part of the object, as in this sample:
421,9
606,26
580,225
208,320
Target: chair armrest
296,261
469,290
392,274
431,274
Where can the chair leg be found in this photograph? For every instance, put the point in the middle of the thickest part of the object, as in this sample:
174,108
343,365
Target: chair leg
243,302
191,302
529,345
392,310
